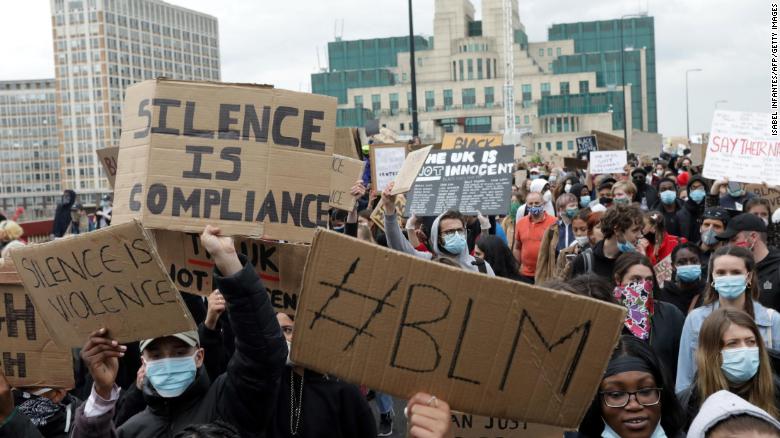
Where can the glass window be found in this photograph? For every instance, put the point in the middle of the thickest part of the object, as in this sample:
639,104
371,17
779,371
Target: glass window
460,68
394,104
570,145
479,68
409,102
541,51
549,146
470,68
429,100
489,97
558,145
447,99
376,103
558,51
545,89
358,101
549,51
488,68
526,92
526,120
469,97
564,88
583,87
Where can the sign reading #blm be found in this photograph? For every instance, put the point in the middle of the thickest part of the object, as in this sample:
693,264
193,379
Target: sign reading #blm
110,278
487,345
252,160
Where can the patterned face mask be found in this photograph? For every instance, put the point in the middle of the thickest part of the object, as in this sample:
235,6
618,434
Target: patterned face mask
637,298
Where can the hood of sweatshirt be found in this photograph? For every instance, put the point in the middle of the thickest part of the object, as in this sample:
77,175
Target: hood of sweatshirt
465,260
720,406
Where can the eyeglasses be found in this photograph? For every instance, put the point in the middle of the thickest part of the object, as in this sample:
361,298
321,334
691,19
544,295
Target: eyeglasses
619,399
448,233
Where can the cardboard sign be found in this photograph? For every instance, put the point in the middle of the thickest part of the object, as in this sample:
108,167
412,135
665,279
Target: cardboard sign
346,143
648,143
108,158
608,142
110,278
469,141
520,177
386,162
487,345
465,180
771,195
378,214
475,426
410,169
28,356
344,171
252,160
585,145
663,270
574,163
742,149
608,162
279,265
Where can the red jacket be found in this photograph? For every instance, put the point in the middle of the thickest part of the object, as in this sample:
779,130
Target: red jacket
667,245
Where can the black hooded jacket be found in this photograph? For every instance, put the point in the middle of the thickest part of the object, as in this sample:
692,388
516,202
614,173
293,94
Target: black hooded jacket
62,218
243,396
689,216
768,271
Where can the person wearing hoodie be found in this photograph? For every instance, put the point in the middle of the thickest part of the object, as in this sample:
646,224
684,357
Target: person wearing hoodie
693,209
646,195
735,197
713,222
726,415
62,219
541,186
176,387
448,237
669,205
35,412
686,286
731,356
528,236
582,193
749,231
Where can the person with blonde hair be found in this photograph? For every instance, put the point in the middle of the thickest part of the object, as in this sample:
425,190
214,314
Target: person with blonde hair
623,192
731,356
10,235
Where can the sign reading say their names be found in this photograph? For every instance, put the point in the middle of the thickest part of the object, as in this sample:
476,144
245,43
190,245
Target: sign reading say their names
467,180
386,162
742,148
344,172
279,265
469,141
108,158
399,324
253,160
28,356
608,162
110,278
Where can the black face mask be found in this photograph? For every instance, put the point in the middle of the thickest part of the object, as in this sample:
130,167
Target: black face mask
650,237
639,182
605,200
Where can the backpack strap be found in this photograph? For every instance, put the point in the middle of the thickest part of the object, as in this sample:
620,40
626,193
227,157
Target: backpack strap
480,264
771,313
587,257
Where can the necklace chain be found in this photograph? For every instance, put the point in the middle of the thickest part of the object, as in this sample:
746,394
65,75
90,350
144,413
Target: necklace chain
295,411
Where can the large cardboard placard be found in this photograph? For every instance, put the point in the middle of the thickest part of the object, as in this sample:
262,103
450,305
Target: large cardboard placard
608,162
645,143
574,164
410,169
279,265
252,160
585,145
468,141
378,214
608,142
400,325
742,149
110,278
386,162
770,194
467,180
108,158
28,355
344,172
663,270
475,426
346,143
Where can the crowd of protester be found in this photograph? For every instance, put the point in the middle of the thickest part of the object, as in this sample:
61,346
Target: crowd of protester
690,259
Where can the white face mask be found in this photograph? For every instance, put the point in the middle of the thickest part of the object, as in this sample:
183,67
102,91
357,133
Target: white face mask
547,196
582,240
290,363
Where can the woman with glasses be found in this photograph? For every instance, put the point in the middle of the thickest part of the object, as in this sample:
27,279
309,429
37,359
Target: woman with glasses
731,356
634,398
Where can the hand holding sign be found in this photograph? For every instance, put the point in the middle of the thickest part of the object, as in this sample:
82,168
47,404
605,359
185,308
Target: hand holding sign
428,417
388,199
101,355
215,308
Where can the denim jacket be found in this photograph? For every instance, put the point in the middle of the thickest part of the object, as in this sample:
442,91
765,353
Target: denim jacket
767,320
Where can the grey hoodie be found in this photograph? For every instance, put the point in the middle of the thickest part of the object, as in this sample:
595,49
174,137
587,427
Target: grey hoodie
397,241
720,406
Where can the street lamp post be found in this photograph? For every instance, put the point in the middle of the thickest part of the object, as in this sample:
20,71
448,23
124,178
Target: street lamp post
623,76
412,63
687,115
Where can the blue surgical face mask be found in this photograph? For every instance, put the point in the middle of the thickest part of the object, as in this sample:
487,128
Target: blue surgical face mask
689,273
170,377
668,197
534,176
339,229
626,246
571,212
455,243
709,237
730,286
584,201
535,211
697,195
740,364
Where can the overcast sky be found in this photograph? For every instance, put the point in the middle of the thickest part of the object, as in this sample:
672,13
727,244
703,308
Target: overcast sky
276,42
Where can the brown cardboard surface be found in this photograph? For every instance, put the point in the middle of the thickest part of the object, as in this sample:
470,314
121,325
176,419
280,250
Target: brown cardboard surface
252,160
386,162
608,142
475,426
400,325
648,143
573,163
108,158
346,143
111,278
663,270
344,171
411,167
28,355
8,274
279,265
770,194
378,214
465,141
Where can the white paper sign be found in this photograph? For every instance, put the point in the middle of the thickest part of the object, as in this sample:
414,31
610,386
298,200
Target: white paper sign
388,161
742,148
607,162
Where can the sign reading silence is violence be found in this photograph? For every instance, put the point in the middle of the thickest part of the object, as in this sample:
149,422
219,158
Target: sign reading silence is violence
252,160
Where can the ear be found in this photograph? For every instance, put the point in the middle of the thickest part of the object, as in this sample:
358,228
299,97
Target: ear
199,357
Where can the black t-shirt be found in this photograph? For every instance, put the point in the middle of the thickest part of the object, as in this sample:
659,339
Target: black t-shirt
600,264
